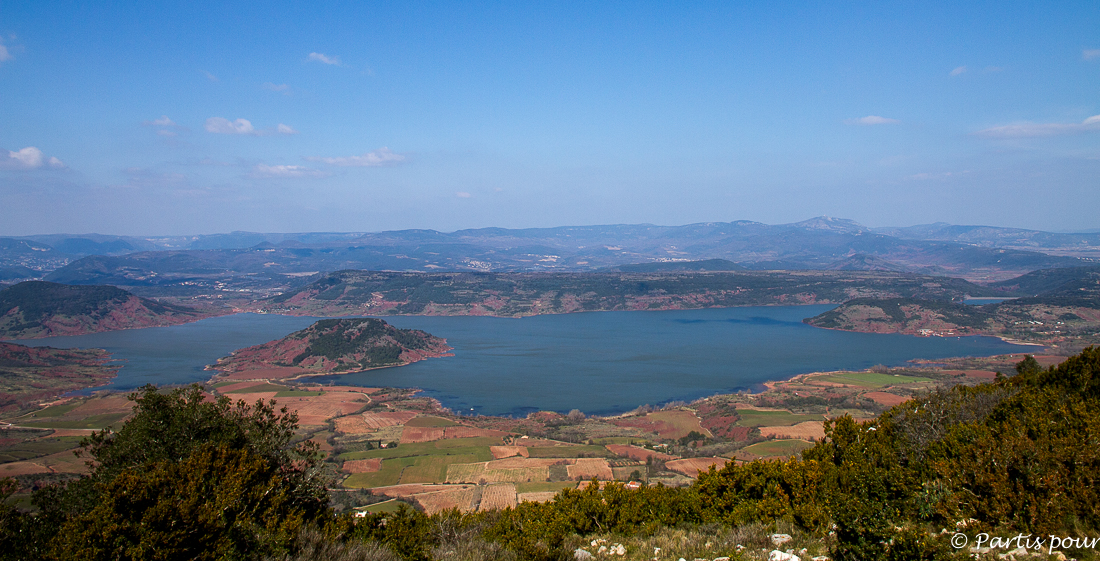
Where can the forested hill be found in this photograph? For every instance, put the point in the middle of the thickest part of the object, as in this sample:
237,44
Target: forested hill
335,345
524,294
1062,307
42,309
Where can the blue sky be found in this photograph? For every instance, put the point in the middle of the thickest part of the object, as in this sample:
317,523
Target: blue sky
150,118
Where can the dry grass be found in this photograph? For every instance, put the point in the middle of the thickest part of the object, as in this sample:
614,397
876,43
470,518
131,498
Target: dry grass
587,468
363,466
806,430
460,498
499,452
536,496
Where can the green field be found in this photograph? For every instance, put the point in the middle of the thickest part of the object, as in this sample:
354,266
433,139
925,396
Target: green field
478,447
778,447
433,469
298,393
390,474
619,440
57,410
870,380
421,462
429,421
385,506
752,418
91,422
590,450
37,448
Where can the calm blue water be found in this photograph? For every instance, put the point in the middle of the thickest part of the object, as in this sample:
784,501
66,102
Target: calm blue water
600,363
981,301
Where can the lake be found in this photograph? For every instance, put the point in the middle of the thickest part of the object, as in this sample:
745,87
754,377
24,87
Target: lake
598,362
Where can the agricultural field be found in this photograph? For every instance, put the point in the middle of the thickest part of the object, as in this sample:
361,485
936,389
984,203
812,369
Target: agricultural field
776,448
762,418
869,380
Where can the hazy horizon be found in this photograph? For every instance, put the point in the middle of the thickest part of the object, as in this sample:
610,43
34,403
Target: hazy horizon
187,117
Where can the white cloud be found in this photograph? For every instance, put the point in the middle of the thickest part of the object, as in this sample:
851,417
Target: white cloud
163,121
29,158
283,171
958,70
285,89
319,57
1025,130
4,53
1090,54
872,120
463,195
221,125
210,76
380,157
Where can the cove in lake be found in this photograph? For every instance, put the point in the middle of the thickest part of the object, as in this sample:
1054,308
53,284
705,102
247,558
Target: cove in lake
599,362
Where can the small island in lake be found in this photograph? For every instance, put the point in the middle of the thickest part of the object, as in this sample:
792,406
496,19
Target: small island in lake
332,346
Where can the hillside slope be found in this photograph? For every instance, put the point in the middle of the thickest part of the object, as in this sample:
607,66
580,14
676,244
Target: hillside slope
35,309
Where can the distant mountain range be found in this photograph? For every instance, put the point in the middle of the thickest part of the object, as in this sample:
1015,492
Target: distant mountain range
246,260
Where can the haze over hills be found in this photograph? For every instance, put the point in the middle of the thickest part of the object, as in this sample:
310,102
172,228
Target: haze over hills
248,260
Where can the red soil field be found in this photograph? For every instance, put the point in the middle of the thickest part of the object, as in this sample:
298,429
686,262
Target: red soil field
421,434
636,453
692,466
887,399
471,432
667,424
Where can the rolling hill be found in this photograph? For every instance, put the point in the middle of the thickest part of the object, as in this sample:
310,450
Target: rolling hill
35,309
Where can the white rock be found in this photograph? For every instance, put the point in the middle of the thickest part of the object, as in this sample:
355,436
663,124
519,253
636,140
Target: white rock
821,558
780,539
581,555
777,555
602,550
